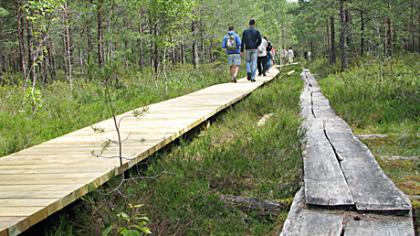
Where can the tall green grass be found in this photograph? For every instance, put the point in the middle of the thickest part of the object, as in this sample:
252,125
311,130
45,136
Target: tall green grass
383,97
232,157
380,96
63,110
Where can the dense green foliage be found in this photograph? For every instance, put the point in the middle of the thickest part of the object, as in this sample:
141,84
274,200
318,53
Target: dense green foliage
232,157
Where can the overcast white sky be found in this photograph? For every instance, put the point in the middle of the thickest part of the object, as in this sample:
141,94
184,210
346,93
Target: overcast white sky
292,0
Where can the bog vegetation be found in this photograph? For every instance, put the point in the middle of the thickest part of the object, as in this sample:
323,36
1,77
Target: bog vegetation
56,57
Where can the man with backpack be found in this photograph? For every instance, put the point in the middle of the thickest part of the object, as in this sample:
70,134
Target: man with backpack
232,43
251,39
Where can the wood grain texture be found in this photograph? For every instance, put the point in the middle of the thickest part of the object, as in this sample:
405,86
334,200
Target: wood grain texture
377,225
38,181
324,181
371,189
332,149
303,221
313,221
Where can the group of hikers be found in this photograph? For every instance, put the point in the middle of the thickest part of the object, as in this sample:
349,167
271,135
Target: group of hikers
258,51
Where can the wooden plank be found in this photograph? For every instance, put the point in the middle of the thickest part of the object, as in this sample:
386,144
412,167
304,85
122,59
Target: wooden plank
28,178
324,181
379,225
371,189
6,221
303,221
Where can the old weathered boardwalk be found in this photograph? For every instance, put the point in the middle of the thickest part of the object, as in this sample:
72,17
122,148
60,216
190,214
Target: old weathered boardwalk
38,181
346,191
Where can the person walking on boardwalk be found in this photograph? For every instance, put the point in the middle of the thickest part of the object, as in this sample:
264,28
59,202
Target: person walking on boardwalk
290,55
270,56
251,39
232,43
262,56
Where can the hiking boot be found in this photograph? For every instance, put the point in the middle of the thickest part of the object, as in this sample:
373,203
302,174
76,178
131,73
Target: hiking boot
248,76
234,80
253,80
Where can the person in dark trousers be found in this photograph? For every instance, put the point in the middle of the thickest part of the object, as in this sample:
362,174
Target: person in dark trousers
232,43
251,39
262,57
270,59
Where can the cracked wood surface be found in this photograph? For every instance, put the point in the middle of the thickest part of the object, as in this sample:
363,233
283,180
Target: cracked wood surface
331,151
38,181
305,220
370,188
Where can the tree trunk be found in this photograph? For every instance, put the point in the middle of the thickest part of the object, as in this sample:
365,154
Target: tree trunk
182,53
348,21
100,36
195,58
109,43
362,34
141,41
21,39
67,45
328,41
31,55
89,43
389,41
412,28
333,54
343,36
52,66
202,49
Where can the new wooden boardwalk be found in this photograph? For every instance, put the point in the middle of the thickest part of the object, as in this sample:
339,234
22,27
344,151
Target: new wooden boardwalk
346,191
38,181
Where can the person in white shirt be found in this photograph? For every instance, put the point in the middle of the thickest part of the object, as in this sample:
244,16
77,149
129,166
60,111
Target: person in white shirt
291,55
262,56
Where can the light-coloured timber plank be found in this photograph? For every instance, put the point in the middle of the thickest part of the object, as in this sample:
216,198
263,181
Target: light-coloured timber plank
35,194
5,222
23,202
35,172
56,170
18,211
303,221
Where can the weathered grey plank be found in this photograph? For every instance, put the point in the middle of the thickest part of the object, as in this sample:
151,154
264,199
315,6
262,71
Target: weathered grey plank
302,221
324,181
379,225
371,189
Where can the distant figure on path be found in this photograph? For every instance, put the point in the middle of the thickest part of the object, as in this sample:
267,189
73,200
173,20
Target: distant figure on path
290,55
251,39
232,43
262,56
270,56
284,56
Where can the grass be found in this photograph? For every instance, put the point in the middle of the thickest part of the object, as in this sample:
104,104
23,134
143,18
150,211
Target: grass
232,157
66,110
383,97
